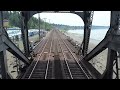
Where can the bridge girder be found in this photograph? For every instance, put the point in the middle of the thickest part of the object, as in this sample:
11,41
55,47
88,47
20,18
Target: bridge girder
29,14
7,44
85,16
112,42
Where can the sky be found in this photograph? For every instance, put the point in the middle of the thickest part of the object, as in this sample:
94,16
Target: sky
100,18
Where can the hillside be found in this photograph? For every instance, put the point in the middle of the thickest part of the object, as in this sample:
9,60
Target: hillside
67,27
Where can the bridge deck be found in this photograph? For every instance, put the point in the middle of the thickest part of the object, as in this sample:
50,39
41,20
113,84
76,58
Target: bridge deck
56,58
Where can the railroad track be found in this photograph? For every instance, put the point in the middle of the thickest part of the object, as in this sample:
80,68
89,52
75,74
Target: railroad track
72,68
56,59
41,67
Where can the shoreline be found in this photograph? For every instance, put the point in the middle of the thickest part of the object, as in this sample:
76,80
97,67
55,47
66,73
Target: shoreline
99,61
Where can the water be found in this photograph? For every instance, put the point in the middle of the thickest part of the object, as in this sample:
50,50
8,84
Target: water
96,34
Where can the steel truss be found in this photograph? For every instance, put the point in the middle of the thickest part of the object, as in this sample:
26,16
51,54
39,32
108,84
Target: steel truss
7,44
86,16
111,41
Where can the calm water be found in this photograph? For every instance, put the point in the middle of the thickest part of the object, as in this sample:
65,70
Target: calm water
96,34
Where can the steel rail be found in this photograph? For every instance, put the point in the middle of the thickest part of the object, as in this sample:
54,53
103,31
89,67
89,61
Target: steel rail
65,60
46,72
38,59
33,61
40,43
74,57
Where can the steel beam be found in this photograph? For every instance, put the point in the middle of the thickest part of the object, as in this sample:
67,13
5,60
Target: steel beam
94,73
31,13
117,66
1,45
99,48
112,42
4,68
25,16
114,45
108,73
15,50
39,24
113,20
7,44
81,14
3,64
24,30
88,16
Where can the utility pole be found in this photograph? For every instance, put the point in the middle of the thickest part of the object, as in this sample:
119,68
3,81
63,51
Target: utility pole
39,24
45,22
49,23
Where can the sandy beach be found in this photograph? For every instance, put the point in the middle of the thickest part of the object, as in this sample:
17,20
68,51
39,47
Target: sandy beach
99,62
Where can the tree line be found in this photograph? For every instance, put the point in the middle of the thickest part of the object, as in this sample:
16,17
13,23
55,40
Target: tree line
33,23
14,21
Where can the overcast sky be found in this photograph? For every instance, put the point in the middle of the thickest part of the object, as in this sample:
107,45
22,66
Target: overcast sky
101,18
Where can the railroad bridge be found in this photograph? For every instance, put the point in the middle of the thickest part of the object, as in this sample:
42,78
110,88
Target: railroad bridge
55,57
